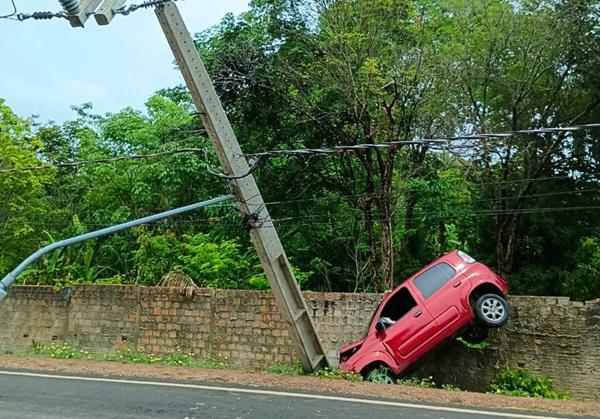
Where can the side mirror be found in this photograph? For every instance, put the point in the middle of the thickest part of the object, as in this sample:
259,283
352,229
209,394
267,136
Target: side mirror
380,326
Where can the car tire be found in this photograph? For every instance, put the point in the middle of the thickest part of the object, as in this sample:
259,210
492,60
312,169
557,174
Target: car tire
491,310
475,334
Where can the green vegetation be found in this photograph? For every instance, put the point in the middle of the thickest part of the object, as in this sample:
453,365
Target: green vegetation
520,383
418,382
127,355
212,363
294,368
450,387
294,74
337,374
59,351
477,346
380,375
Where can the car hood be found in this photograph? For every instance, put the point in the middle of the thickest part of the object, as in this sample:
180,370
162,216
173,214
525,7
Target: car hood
352,345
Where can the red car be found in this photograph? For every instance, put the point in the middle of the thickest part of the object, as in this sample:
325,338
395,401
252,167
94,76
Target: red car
453,295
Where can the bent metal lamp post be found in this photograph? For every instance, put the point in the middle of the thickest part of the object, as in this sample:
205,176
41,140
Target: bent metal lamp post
9,279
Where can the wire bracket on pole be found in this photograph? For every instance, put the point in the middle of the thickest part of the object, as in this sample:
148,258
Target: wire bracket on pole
107,11
86,9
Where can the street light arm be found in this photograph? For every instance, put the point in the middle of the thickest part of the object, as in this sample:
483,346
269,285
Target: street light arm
9,279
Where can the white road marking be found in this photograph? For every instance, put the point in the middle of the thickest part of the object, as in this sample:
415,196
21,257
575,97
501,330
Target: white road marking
283,394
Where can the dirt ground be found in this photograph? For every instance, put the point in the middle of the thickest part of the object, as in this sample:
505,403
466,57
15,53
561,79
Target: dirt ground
302,383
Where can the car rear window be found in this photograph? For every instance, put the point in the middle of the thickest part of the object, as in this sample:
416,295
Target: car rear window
434,278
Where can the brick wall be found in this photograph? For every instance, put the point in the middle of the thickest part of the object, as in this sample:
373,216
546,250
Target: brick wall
546,335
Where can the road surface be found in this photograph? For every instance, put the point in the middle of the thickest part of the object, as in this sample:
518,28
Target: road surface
48,396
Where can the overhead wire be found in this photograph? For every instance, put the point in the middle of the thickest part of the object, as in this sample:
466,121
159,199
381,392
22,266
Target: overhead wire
357,211
126,10
106,160
45,15
256,159
423,141
334,220
11,14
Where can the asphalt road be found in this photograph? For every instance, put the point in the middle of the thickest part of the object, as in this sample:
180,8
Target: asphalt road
25,395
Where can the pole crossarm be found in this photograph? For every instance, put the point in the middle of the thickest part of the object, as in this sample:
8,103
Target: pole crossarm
9,279
286,291
86,9
105,14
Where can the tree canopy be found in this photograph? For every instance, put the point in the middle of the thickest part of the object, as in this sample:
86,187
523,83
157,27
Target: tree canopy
321,73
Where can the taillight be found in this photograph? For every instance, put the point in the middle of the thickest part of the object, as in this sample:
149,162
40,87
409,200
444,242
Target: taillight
464,257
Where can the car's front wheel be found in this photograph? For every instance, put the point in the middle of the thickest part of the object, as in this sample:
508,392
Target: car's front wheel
491,310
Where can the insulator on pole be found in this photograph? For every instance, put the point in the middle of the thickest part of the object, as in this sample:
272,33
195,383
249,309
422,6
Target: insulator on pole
70,6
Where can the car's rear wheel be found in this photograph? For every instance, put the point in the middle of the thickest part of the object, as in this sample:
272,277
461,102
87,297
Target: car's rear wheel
476,333
491,310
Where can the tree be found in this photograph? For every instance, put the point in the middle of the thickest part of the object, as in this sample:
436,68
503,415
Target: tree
515,73
23,204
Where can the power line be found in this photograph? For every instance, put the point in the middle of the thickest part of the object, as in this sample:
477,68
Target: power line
108,160
375,195
358,211
332,219
259,158
43,15
11,14
424,141
433,215
125,10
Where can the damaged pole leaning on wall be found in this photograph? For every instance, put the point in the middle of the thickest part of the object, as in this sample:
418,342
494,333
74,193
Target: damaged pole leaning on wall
9,279
289,298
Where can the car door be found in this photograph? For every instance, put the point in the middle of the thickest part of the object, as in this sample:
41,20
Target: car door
440,288
413,325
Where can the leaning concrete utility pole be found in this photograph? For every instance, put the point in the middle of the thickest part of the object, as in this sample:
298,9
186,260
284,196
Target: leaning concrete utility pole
287,293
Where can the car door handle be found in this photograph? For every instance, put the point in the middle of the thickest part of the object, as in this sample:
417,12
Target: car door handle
418,313
456,284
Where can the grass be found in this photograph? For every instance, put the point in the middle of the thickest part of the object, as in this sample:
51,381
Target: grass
59,351
337,374
176,358
294,368
417,382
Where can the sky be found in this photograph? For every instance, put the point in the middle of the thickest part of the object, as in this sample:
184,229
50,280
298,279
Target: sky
47,66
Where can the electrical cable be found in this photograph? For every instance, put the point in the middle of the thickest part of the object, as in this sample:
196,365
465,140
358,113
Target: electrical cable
10,16
423,141
259,158
43,15
107,160
126,10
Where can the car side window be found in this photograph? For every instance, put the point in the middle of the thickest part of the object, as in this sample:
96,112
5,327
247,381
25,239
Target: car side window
398,305
434,278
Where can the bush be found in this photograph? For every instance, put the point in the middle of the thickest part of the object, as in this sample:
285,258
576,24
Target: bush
520,383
